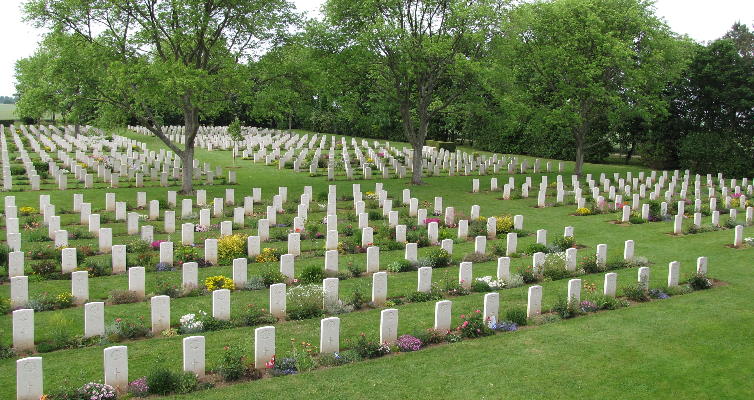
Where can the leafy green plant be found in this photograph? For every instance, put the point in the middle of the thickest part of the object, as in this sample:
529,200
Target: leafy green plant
535,248
563,243
473,325
420,297
312,274
367,348
636,293
400,266
437,257
254,316
516,315
271,276
304,302
232,365
359,295
566,309
123,297
699,281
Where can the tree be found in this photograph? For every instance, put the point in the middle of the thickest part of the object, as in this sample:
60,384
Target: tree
743,38
57,79
167,56
422,49
590,64
710,124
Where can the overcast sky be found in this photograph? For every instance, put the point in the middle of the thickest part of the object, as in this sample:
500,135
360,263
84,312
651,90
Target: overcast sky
703,20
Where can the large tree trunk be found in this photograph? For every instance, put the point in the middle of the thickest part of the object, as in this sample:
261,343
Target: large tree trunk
187,159
416,176
579,158
630,152
191,120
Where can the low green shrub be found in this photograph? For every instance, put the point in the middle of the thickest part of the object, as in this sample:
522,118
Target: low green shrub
400,266
303,302
123,297
636,293
232,366
312,274
437,257
516,315
535,248
699,281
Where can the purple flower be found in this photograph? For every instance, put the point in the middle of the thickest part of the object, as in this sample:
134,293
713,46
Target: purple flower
588,306
408,343
505,326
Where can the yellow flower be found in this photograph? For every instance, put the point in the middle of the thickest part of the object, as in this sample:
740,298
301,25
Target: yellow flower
583,211
26,210
504,223
216,282
231,247
268,255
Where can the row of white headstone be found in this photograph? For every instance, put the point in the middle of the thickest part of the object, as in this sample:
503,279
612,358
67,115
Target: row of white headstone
110,168
160,305
29,371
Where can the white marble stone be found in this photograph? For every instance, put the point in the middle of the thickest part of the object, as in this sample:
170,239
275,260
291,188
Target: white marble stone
534,303
160,313
116,367
29,378
443,316
278,300
221,304
329,338
264,346
94,319
194,358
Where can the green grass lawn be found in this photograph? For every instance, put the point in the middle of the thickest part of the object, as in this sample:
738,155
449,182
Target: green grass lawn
696,346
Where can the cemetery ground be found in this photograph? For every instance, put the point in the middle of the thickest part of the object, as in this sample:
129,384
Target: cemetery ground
694,346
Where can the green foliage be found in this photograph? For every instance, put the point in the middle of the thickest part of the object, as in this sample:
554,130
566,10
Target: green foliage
253,316
420,297
312,274
163,381
598,87
123,297
535,248
516,315
271,276
636,293
367,348
608,302
563,243
232,364
234,130
436,257
400,266
473,325
359,296
699,281
304,302
566,309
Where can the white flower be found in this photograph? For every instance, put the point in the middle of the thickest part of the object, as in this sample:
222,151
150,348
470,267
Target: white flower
492,282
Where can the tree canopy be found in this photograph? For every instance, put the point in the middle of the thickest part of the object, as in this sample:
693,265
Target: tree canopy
566,79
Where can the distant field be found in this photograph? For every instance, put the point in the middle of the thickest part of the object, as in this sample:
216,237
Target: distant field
7,111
